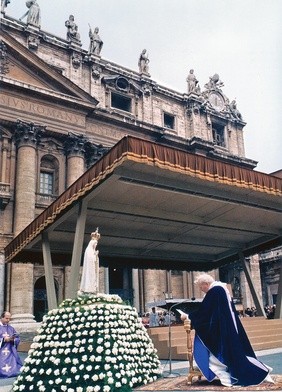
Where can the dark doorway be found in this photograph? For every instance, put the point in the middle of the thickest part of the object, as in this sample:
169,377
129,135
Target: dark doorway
40,298
120,283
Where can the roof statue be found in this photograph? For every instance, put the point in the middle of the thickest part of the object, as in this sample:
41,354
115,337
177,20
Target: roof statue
4,4
234,111
33,14
214,83
143,62
72,30
96,43
192,83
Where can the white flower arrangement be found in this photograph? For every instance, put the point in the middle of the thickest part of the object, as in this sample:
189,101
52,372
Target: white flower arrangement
94,343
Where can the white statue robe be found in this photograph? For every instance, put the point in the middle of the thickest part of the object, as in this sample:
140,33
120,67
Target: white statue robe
90,271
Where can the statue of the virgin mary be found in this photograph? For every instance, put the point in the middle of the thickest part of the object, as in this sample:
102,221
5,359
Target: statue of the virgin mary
90,271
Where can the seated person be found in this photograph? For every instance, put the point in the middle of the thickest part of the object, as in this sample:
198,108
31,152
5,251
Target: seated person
221,346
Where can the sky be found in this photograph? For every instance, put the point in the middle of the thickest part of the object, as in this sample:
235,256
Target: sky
238,39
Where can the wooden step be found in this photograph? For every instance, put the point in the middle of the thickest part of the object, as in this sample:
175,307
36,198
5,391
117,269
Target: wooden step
263,334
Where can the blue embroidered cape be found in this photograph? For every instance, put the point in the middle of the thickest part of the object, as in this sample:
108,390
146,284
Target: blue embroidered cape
216,333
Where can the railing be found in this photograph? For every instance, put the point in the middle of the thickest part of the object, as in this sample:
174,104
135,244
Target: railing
44,200
5,195
4,188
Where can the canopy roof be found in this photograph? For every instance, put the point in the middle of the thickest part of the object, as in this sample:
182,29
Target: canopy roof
159,207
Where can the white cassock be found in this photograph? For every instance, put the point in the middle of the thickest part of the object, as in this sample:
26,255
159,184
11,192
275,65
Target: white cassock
90,271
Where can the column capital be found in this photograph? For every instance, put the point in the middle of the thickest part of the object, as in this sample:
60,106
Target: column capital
27,133
75,145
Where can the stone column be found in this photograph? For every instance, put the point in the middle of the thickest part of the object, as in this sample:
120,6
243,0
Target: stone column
154,285
67,280
27,136
21,305
75,150
105,271
135,286
2,280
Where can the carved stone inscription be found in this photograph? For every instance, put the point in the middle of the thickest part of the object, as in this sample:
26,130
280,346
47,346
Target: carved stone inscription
39,109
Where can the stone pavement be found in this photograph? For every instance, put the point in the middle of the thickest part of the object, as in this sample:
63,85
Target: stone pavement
272,358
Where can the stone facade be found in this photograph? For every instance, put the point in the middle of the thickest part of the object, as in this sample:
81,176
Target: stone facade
62,108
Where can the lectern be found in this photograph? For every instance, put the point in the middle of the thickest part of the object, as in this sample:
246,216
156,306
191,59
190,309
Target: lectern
192,372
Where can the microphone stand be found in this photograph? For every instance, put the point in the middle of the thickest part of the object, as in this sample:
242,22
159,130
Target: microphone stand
170,374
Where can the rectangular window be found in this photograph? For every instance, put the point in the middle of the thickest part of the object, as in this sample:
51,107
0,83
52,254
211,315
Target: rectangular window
121,102
46,183
218,134
169,121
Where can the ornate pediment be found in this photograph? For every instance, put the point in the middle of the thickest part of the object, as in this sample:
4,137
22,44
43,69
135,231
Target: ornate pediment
24,69
211,100
122,84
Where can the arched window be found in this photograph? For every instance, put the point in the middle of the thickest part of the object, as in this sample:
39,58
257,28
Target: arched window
49,176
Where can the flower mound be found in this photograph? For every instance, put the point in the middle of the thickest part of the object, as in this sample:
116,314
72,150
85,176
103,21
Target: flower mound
89,344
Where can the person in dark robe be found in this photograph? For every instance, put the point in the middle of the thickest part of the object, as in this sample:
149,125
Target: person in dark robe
221,346
10,362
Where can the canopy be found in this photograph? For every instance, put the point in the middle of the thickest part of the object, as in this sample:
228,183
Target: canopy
160,207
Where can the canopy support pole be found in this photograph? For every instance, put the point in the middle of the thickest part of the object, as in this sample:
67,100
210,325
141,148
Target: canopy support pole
77,250
278,310
49,276
257,300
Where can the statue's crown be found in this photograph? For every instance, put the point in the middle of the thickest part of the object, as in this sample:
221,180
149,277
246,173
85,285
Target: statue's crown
96,235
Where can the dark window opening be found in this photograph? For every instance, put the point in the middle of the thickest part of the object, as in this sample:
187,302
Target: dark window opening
218,134
120,102
122,84
169,121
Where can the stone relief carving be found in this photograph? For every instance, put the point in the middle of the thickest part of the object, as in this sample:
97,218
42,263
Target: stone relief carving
122,83
214,83
96,71
211,99
76,60
33,42
4,61
28,133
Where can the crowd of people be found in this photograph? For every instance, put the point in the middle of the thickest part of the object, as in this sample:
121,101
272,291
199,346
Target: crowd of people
270,311
157,319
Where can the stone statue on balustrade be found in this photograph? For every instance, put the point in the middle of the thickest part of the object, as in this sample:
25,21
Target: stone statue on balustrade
4,4
214,83
192,83
90,270
143,62
96,43
33,14
72,30
234,111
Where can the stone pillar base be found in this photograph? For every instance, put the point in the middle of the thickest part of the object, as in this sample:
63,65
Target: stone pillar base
24,322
